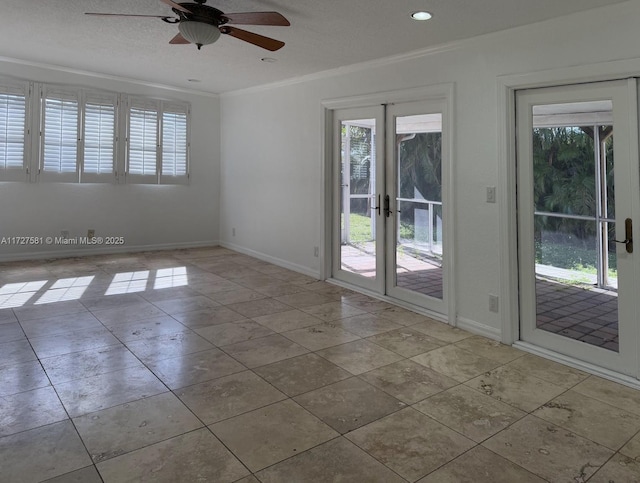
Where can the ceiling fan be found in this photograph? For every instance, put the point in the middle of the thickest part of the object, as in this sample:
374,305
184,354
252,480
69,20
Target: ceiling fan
201,24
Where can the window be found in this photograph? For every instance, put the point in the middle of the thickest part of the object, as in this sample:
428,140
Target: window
157,142
60,136
70,134
13,129
99,142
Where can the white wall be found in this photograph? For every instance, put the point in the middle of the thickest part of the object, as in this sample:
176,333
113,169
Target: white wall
147,216
271,160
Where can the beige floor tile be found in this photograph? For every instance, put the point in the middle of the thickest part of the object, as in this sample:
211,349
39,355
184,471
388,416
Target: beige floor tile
302,374
41,453
185,304
143,329
480,465
194,368
456,363
320,336
208,288
29,410
77,341
406,342
269,435
548,450
337,460
229,396
21,377
410,443
590,418
249,479
235,296
265,350
130,313
78,365
306,299
16,351
121,429
32,312
632,448
441,331
469,412
359,356
402,316
491,349
83,396
100,302
60,325
233,332
84,475
367,325
618,469
286,321
195,456
199,319
516,388
7,315
408,381
333,311
365,303
611,393
349,404
10,331
257,308
167,346
549,371
279,289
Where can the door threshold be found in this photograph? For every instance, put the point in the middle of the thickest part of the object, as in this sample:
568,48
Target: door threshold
578,364
392,300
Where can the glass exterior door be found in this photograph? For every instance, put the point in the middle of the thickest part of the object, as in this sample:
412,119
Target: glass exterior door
577,187
416,156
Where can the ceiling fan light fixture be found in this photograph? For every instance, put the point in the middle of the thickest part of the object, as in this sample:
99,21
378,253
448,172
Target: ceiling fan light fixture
199,33
421,15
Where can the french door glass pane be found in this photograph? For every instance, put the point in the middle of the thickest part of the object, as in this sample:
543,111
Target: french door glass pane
357,203
573,194
419,223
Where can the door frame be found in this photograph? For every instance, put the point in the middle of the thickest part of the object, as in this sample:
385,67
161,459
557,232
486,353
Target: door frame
507,85
439,92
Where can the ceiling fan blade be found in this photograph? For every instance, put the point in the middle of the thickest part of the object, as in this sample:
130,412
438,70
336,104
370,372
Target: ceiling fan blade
176,6
125,15
179,39
255,39
257,18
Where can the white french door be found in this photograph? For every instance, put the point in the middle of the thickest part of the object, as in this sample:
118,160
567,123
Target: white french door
578,199
390,179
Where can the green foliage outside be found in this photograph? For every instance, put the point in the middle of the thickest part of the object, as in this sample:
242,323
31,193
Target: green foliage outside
564,173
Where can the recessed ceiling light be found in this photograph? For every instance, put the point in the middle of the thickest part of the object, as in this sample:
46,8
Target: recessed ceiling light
194,80
421,15
270,60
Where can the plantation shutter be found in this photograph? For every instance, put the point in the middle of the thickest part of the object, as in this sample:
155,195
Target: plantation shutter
143,140
174,142
60,136
13,116
99,138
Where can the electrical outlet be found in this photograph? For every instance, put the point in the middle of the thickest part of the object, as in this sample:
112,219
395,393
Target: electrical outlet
491,194
91,233
233,232
65,234
494,303
316,252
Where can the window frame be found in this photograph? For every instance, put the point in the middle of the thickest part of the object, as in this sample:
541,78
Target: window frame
12,87
108,98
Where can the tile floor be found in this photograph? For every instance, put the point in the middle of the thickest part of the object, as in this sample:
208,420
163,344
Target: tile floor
208,365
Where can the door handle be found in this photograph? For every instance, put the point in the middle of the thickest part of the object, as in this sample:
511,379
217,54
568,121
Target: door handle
628,234
387,209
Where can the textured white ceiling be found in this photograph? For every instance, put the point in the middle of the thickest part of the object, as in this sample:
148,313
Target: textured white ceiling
324,34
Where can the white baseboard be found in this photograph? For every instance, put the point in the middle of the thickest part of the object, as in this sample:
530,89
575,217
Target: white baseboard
479,329
85,251
578,364
274,260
